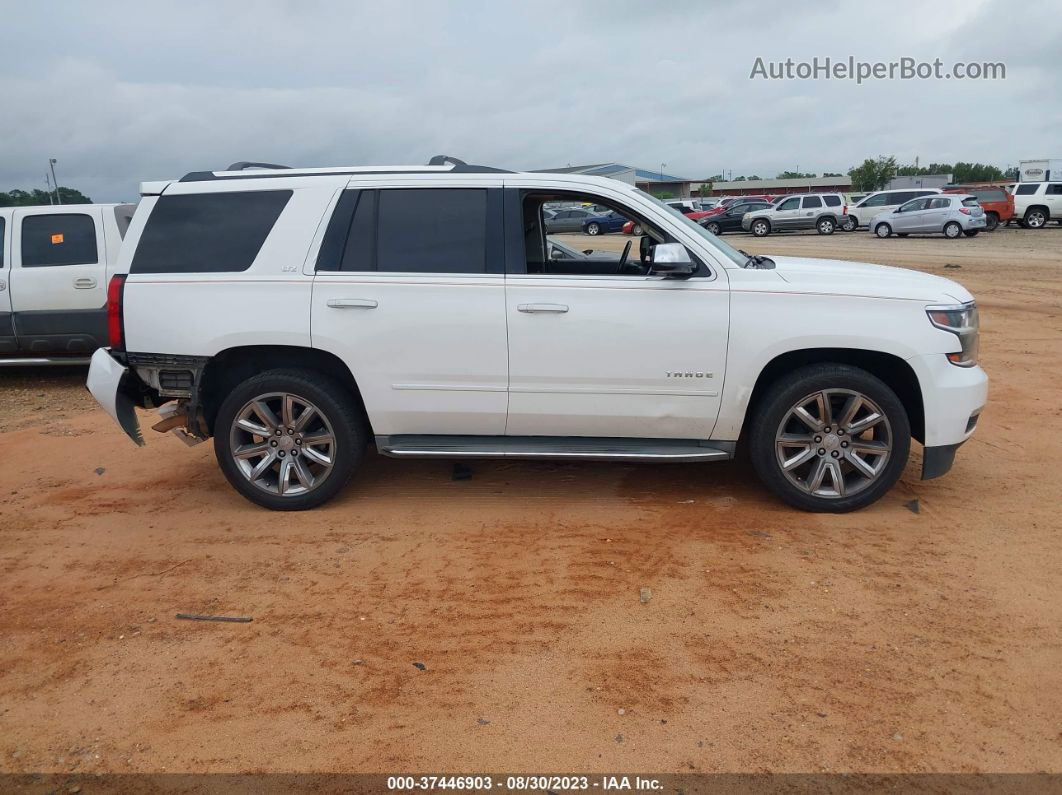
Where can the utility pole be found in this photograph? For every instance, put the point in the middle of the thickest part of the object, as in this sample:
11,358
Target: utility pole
48,182
51,165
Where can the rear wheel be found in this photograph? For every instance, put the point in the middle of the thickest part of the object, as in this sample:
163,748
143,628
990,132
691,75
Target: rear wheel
1035,218
849,224
288,440
830,437
991,221
825,226
761,227
882,230
952,229
593,229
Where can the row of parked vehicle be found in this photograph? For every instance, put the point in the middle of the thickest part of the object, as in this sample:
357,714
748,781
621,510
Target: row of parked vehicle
953,212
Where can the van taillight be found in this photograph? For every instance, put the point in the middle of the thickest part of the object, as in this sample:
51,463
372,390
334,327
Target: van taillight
115,326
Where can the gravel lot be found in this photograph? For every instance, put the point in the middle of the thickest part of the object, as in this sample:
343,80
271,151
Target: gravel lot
922,634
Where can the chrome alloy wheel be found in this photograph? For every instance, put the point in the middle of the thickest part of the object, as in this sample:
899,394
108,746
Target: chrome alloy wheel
833,443
282,443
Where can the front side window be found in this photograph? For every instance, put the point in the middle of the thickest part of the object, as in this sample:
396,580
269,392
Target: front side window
789,204
207,232
911,206
61,239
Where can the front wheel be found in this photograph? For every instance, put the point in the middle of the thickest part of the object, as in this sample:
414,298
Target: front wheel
593,229
761,228
882,230
825,226
288,440
830,438
849,224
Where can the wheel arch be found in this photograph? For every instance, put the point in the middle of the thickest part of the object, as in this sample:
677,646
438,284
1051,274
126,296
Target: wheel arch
891,369
235,365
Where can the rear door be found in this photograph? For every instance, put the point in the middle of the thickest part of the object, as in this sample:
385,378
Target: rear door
935,214
57,284
810,209
409,291
7,327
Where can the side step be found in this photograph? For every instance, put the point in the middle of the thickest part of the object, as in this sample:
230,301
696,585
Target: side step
49,361
571,448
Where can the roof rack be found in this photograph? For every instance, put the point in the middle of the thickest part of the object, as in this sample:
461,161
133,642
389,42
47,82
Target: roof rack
434,166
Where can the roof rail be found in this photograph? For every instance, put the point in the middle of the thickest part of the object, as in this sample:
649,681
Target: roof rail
241,165
461,167
442,160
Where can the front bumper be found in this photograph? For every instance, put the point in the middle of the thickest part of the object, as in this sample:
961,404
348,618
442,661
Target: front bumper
113,386
952,398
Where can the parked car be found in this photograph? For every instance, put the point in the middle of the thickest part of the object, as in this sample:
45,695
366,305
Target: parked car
822,211
559,253
880,201
730,219
997,203
1036,203
950,214
569,219
601,224
53,280
323,319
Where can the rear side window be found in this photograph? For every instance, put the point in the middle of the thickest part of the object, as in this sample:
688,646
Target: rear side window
60,239
832,201
1054,189
1025,190
812,201
207,232
942,202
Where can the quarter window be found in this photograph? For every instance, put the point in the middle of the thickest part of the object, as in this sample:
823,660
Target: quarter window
832,201
62,239
1025,190
207,232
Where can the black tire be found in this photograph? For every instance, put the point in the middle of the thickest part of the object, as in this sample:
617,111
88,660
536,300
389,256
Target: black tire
330,399
850,224
593,229
761,227
883,230
787,391
826,226
991,221
953,230
902,234
713,227
1035,218
971,232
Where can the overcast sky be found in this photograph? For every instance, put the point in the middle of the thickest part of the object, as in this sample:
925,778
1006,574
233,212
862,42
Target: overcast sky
120,93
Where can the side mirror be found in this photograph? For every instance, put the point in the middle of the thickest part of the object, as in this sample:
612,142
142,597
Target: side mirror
671,259
556,253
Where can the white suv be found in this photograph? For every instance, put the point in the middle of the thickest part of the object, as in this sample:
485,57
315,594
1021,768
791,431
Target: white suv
295,316
1036,203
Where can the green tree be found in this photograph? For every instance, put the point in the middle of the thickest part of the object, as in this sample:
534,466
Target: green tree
20,198
794,175
873,174
831,174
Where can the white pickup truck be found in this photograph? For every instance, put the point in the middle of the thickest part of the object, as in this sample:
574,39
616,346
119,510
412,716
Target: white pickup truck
53,280
296,315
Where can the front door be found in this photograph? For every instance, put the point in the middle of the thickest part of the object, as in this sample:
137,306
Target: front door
57,280
600,349
414,303
787,215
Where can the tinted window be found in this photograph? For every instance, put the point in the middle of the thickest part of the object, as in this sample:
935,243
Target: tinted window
971,202
832,201
360,251
789,204
58,240
991,195
812,201
435,230
207,232
877,200
1025,190
1054,189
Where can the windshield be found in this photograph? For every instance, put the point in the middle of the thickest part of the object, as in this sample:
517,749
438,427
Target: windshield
727,250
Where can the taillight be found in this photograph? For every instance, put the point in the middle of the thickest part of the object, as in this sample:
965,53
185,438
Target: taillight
964,210
115,326
844,210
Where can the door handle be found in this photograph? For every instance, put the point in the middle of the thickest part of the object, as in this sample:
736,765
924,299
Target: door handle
352,303
532,308
3,285
84,283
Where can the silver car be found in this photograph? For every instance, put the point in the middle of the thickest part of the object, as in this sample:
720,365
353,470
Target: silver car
950,214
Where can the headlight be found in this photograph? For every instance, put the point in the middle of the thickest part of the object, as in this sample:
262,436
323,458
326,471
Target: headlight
962,321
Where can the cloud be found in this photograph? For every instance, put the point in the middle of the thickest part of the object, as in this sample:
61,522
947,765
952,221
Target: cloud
132,92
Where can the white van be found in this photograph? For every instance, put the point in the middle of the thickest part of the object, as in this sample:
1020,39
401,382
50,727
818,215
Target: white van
879,202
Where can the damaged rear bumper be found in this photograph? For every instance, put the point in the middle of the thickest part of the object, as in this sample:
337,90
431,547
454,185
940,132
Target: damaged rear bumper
115,389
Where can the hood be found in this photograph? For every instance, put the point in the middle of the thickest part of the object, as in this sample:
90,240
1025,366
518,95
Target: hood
837,277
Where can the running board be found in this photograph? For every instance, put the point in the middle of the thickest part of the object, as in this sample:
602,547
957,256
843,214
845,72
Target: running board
571,448
50,361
